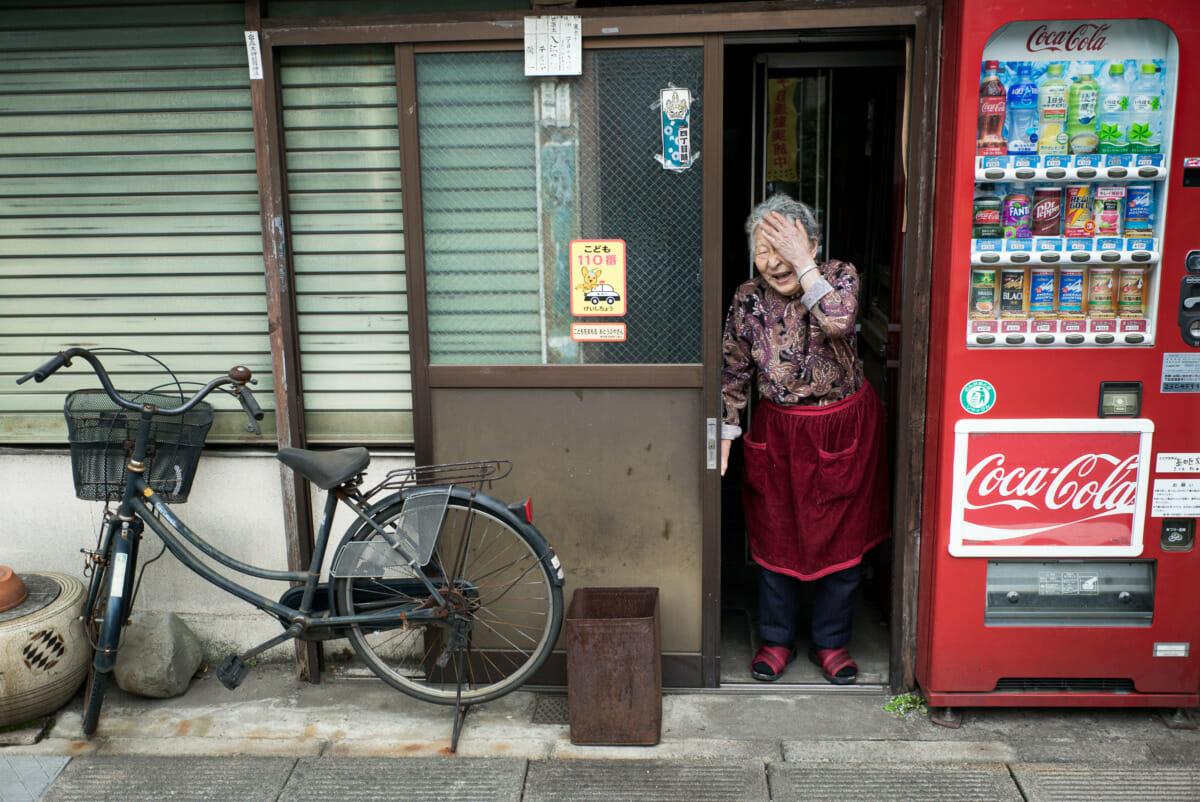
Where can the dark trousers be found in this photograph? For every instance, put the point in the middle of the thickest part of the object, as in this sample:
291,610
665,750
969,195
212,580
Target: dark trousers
832,607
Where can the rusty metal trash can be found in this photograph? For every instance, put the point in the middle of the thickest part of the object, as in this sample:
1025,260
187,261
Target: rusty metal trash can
614,667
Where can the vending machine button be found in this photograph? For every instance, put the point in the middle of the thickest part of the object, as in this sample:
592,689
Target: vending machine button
1049,256
1086,172
1104,339
993,174
1140,256
1117,172
1015,339
1110,256
989,258
1019,258
985,339
1080,256
1056,172
1178,534
1044,339
1147,172
1074,339
1134,339
1025,174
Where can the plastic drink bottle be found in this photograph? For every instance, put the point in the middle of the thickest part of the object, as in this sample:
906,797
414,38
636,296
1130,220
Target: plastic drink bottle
990,139
1082,100
1022,112
1052,112
1113,127
1145,111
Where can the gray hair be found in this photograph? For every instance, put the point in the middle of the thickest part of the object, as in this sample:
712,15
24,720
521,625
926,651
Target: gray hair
793,210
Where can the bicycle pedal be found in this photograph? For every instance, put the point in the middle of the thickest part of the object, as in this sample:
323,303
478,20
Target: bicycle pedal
232,671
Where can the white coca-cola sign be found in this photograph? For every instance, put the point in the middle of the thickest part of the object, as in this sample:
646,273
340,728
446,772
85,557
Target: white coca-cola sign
1051,488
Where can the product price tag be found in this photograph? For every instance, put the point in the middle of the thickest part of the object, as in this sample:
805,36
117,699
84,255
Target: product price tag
1139,244
1025,161
1109,244
1079,244
1049,244
987,245
1089,160
1018,244
1118,160
1056,161
1148,159
986,162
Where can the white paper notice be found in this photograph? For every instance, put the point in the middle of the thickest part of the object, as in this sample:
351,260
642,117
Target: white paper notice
553,45
1175,498
1177,463
254,55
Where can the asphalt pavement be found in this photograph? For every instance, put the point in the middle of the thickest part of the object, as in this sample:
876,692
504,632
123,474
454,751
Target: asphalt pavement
351,737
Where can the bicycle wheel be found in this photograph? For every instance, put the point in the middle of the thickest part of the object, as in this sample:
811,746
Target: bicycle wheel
103,619
488,567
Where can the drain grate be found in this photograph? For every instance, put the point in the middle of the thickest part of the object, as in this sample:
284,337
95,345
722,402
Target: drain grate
551,709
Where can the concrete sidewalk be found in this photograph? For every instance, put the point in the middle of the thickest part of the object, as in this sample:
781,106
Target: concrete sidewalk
278,738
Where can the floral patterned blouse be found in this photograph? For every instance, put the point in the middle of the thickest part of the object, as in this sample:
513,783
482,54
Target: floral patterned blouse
800,350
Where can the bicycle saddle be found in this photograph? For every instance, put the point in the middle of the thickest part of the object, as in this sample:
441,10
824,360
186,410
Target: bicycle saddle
325,469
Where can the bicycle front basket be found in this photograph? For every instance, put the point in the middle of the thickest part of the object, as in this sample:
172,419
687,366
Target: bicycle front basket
102,435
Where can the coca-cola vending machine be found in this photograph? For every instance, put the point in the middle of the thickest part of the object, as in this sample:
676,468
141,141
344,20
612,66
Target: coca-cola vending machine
1058,558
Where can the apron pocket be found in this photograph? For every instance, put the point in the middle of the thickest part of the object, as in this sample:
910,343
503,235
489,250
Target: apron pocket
838,473
756,465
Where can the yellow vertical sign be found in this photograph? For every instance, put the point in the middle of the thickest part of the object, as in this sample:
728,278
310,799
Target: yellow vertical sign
781,130
597,277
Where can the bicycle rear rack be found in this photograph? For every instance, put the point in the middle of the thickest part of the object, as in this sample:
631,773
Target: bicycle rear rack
472,474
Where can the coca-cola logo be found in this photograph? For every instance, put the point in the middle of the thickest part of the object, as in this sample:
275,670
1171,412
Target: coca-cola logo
1072,492
1086,36
987,215
1096,484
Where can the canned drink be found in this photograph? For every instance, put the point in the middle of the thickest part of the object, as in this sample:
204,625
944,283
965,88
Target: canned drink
1012,293
1139,210
1108,211
1047,212
985,222
1042,289
1016,214
1070,292
1077,217
1131,292
983,294
1100,292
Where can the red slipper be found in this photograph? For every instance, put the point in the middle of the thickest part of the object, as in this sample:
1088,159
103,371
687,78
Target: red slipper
768,664
836,665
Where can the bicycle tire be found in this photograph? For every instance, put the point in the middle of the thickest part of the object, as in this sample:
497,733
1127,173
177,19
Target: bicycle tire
516,614
103,621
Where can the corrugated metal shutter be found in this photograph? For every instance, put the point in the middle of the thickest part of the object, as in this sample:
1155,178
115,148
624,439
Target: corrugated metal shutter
128,207
344,198
480,205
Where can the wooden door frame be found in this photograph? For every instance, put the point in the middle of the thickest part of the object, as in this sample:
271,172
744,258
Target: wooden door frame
487,30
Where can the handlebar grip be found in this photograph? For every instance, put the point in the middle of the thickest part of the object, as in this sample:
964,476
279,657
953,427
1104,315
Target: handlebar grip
45,370
249,404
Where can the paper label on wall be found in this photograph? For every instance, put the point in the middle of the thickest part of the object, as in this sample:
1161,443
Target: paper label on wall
254,55
597,277
553,45
1175,498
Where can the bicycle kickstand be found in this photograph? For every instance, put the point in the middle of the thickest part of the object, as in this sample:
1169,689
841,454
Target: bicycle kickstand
460,710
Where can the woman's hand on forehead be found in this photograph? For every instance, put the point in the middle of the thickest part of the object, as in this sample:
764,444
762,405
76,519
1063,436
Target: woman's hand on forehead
788,238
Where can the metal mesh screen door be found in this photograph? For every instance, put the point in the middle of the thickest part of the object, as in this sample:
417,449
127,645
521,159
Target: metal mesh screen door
515,169
656,211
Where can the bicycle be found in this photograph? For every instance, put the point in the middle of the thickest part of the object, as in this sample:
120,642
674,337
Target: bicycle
445,593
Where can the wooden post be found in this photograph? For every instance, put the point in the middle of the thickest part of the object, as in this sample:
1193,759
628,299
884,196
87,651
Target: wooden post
281,317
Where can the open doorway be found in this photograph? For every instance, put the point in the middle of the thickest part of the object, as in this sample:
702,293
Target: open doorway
840,143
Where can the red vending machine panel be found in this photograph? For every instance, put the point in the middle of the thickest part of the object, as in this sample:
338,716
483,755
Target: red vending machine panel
1058,565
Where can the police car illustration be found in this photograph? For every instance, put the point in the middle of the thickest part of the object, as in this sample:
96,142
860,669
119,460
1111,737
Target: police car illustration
602,292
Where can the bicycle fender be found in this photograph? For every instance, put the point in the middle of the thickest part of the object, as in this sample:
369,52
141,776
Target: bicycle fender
499,509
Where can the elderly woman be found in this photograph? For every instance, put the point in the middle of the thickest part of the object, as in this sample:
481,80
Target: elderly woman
815,483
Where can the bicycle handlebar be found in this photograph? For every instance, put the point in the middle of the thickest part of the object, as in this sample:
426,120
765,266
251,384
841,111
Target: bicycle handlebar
239,376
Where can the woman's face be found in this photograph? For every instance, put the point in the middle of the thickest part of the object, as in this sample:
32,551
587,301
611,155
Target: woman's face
778,272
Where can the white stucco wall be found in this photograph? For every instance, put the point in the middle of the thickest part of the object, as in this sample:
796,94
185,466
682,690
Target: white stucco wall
235,503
